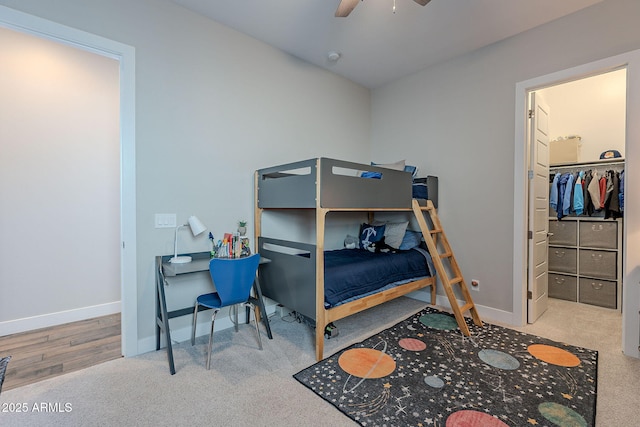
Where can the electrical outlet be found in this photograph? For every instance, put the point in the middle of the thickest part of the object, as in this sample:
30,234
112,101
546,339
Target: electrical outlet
475,285
283,311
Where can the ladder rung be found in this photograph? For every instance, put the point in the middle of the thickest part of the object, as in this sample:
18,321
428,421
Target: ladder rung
467,306
446,255
455,280
435,231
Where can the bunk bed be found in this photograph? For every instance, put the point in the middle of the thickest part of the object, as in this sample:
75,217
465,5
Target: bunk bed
300,275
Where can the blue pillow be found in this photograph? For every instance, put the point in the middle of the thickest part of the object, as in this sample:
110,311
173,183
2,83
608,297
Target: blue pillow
370,234
410,240
374,175
413,170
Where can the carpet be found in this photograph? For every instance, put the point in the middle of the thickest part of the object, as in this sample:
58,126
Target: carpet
424,372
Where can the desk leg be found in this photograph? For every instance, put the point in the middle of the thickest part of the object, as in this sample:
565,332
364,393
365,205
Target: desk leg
162,318
263,310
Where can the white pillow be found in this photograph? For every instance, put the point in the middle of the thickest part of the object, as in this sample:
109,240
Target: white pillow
394,233
399,165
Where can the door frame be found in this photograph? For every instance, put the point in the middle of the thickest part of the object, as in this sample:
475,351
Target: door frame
631,247
125,54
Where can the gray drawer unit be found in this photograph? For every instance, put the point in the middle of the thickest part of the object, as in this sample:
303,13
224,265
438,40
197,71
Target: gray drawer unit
599,234
563,260
563,232
598,292
601,264
563,287
585,258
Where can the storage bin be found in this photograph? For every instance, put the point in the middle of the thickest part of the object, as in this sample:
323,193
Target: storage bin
564,151
600,264
599,234
563,260
598,292
563,232
563,287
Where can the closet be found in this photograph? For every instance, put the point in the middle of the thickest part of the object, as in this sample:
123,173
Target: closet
585,245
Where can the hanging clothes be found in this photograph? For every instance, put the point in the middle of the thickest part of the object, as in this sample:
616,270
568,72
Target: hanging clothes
553,197
588,205
585,192
621,192
594,191
603,190
578,196
612,204
564,186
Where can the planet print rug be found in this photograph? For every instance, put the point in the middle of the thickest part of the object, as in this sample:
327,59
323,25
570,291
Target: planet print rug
424,372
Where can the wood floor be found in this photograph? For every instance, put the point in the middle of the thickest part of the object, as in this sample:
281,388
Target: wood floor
49,352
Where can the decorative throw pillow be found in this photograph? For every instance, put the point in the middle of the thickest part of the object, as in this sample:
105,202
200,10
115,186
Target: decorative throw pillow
3,368
394,233
413,170
399,165
370,234
411,240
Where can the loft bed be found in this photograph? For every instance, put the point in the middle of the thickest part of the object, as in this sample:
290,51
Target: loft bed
301,276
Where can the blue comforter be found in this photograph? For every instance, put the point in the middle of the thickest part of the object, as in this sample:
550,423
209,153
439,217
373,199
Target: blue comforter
353,272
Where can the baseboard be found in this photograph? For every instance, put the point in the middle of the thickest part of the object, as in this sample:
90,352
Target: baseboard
53,319
487,314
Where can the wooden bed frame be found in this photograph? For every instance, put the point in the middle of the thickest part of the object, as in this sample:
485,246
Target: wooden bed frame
325,185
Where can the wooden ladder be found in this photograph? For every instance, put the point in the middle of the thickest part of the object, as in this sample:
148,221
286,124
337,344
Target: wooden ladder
436,239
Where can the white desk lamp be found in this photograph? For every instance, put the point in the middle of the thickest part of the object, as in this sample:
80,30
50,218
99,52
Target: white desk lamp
197,227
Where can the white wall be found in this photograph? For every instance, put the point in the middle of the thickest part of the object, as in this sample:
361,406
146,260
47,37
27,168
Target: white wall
212,106
456,120
59,183
593,108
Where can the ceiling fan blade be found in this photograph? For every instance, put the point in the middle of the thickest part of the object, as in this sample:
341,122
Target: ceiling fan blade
345,7
422,2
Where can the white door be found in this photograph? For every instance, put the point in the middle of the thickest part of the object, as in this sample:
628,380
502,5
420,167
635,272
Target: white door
537,282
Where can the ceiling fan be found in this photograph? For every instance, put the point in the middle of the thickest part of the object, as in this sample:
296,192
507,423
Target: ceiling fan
346,6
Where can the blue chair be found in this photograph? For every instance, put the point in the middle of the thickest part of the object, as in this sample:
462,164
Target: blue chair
233,279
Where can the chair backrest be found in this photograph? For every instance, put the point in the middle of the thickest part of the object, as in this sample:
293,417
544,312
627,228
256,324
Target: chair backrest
233,277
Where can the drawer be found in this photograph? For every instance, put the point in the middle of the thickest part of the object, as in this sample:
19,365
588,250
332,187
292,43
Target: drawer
601,264
598,292
563,233
599,234
563,287
563,260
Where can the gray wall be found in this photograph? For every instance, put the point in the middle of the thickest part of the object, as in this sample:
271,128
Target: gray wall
458,120
242,105
212,106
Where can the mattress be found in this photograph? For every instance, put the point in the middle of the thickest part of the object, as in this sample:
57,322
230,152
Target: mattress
350,273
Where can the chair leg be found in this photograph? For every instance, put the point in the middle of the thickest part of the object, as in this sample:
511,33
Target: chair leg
195,322
235,314
256,311
213,320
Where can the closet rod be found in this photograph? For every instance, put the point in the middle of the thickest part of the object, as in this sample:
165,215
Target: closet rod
588,164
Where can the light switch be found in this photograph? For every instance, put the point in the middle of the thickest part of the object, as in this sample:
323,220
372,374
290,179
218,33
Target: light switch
165,221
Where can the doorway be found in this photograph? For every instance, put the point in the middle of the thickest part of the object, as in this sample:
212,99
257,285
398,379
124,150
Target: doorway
631,272
25,23
586,129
